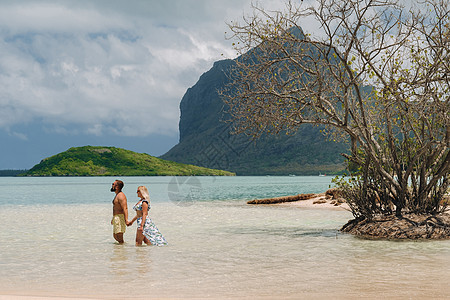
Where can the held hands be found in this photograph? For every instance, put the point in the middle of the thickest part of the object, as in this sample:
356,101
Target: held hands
129,223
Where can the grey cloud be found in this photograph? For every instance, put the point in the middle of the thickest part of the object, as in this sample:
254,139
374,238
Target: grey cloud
106,66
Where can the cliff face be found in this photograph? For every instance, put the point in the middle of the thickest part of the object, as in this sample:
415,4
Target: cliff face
205,138
201,108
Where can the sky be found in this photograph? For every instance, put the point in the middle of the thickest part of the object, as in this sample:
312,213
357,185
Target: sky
104,72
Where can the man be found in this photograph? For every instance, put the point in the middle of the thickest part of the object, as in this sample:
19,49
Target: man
120,211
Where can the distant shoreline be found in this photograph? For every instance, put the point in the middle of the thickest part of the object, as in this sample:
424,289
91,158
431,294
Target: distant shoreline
12,172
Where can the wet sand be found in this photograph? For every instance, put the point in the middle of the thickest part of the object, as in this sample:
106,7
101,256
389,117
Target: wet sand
16,297
320,201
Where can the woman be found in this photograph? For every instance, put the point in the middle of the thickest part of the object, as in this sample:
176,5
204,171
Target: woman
147,231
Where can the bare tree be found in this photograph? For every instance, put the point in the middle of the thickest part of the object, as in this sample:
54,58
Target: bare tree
378,74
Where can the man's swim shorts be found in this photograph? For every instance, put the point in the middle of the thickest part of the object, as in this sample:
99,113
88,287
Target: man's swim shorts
119,225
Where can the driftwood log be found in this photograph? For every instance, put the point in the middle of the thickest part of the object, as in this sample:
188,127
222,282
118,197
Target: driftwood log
282,199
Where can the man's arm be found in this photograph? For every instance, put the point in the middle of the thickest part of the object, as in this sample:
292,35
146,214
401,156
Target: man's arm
123,204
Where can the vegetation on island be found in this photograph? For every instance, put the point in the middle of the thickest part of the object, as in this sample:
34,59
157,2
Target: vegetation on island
399,128
111,161
11,172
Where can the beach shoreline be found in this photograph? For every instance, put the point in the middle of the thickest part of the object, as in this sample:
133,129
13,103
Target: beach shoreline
319,201
327,200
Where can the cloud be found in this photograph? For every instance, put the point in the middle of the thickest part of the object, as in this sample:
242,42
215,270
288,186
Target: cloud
19,135
119,67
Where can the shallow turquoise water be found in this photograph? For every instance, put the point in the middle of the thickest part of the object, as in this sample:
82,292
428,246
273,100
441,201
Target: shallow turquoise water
57,239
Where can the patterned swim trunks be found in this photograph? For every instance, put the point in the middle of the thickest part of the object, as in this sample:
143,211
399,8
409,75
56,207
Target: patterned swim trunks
119,225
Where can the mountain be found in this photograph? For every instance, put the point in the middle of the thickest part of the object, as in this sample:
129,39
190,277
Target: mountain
111,161
205,138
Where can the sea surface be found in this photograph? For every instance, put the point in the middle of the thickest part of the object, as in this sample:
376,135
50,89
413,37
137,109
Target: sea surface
56,240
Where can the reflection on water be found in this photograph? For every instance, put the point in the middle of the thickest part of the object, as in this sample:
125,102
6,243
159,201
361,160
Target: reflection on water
127,261
119,260
217,249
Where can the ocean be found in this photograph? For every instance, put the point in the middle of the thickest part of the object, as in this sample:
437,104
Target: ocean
56,240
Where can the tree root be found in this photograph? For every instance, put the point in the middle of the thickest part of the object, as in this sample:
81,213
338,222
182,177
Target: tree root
409,226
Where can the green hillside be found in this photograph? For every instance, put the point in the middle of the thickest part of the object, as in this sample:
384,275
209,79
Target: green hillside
111,161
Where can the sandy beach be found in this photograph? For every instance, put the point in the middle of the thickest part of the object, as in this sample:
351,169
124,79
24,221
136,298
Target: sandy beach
320,201
315,201
16,297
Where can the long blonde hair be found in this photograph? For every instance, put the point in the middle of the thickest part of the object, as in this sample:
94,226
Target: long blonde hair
144,192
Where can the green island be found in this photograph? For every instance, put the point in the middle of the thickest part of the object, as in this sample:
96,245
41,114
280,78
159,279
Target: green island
112,161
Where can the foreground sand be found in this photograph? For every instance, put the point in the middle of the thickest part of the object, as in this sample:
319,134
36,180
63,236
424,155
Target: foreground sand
16,297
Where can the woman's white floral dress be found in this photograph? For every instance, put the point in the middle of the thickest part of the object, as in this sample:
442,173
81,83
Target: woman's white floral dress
150,230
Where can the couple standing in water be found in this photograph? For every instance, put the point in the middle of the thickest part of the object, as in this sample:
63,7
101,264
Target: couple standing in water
147,231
